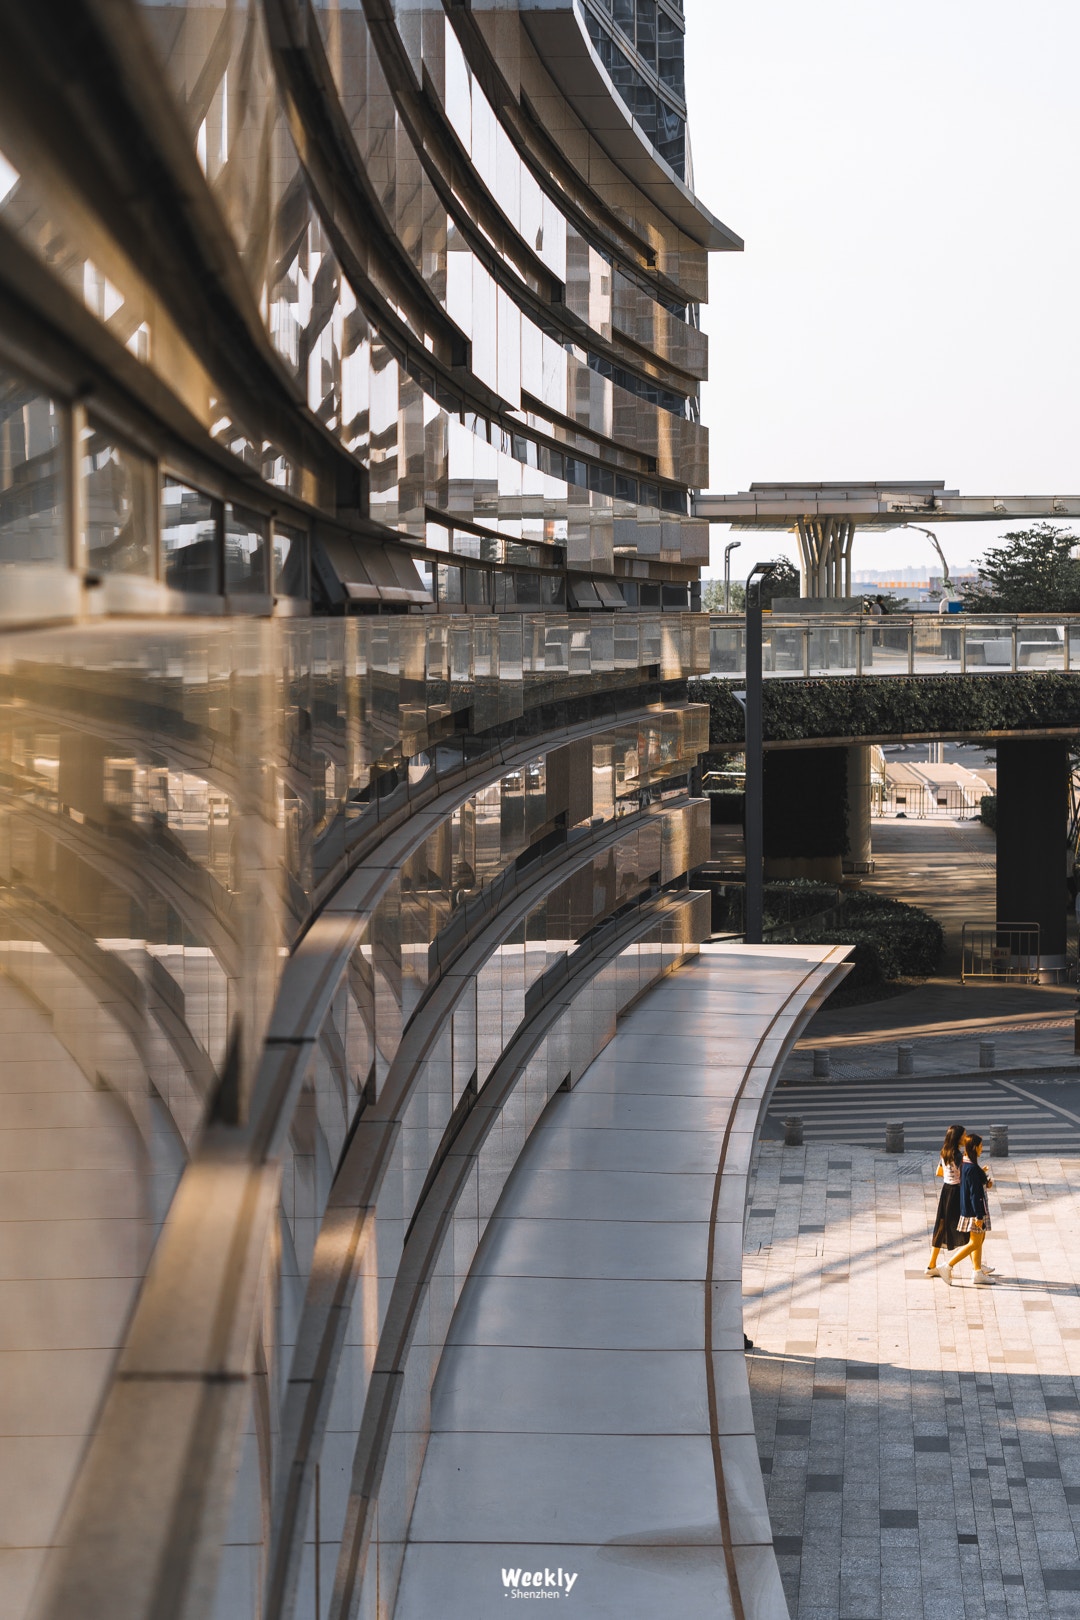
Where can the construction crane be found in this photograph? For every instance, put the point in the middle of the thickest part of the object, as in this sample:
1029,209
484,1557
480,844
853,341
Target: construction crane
933,539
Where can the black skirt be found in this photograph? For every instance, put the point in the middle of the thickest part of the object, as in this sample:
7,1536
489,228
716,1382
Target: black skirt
947,1234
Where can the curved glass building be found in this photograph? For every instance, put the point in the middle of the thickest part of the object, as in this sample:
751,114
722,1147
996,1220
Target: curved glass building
349,366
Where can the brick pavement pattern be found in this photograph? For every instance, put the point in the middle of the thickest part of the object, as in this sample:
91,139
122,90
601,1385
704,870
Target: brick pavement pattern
920,1444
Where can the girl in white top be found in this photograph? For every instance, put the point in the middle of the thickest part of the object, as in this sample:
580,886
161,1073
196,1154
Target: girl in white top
947,1234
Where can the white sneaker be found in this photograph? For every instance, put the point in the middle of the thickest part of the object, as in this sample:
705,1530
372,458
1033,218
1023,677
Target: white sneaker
981,1280
945,1273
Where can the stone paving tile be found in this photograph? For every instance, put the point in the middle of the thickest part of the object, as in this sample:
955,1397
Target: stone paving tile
911,1429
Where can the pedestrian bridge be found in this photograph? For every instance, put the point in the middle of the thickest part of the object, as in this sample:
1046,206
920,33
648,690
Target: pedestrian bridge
806,645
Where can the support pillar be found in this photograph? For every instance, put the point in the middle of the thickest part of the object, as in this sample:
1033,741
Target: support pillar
805,813
825,555
857,857
1032,811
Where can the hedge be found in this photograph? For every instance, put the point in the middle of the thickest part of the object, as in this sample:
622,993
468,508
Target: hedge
787,903
878,707
988,811
909,942
891,941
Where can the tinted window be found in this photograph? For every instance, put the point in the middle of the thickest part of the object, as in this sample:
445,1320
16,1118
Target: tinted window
31,488
290,561
190,538
121,502
245,553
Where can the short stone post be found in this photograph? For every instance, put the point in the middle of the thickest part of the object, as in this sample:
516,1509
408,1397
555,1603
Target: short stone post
999,1141
987,1054
793,1132
822,1062
905,1060
894,1136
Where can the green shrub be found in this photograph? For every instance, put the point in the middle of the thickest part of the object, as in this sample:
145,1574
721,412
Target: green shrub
909,940
877,707
904,941
786,903
869,971
988,811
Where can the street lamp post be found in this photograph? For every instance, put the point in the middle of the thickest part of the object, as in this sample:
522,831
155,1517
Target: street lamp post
733,545
754,920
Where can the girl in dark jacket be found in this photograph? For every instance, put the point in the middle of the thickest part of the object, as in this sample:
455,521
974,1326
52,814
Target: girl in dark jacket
974,1210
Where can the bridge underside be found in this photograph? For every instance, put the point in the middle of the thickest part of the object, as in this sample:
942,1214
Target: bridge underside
825,516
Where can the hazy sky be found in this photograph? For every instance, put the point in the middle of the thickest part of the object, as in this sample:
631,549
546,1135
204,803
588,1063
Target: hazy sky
905,178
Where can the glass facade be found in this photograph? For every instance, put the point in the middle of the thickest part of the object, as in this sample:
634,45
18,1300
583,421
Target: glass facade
640,43
348,424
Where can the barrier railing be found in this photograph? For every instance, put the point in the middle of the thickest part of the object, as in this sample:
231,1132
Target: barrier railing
1008,953
797,645
919,801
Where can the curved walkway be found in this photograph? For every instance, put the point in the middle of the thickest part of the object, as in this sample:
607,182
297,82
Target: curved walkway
591,1419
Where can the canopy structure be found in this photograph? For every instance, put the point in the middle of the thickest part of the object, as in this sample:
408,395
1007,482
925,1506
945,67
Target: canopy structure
826,516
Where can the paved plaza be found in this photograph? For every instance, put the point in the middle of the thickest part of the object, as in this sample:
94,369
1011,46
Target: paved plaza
920,1443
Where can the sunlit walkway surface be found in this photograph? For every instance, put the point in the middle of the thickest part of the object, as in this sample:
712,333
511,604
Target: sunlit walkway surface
921,1443
591,1415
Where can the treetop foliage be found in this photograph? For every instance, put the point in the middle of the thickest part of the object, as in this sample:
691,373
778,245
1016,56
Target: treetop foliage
1031,571
784,581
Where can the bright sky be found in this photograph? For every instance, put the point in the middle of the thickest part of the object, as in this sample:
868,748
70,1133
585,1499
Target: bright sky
905,178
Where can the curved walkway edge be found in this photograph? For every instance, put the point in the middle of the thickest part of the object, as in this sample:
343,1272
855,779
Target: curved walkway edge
592,1440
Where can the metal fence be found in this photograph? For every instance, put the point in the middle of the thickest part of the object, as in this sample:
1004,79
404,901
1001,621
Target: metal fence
920,801
1007,953
900,644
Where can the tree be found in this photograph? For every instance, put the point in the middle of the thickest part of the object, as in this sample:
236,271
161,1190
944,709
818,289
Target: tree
712,596
783,581
1032,571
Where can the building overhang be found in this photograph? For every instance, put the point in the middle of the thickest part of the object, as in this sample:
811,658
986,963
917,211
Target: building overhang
556,29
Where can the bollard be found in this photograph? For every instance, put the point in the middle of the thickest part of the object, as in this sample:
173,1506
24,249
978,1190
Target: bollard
905,1061
987,1054
894,1136
793,1132
999,1141
822,1062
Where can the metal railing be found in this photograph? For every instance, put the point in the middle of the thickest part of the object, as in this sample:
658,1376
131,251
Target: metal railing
803,645
1007,953
919,801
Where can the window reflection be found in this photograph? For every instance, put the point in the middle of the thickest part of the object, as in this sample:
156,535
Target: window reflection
245,552
31,496
190,538
290,561
121,521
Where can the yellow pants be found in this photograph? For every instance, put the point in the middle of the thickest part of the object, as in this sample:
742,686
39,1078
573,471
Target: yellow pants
974,1248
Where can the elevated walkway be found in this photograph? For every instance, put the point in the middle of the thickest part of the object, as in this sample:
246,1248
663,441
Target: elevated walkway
591,1414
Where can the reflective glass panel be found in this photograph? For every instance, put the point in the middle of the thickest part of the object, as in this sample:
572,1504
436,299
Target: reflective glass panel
245,552
31,501
121,496
1040,646
290,561
190,538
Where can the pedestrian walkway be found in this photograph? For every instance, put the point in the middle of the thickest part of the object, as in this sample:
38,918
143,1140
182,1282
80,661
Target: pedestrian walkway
1039,1121
591,1417
946,867
920,1444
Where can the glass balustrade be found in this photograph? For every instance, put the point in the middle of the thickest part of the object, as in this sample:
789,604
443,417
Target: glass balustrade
910,644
